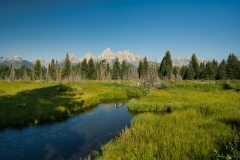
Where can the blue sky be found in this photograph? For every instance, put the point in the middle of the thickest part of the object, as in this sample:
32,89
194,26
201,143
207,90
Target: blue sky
51,28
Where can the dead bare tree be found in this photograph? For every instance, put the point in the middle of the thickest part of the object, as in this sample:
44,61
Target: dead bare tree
12,73
133,74
25,76
101,72
152,74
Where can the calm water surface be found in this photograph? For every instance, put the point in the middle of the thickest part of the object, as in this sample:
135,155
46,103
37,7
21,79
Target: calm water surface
71,139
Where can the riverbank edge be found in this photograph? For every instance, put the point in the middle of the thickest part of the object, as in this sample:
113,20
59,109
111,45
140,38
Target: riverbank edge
82,95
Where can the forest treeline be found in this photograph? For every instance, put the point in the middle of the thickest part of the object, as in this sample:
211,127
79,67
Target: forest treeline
149,71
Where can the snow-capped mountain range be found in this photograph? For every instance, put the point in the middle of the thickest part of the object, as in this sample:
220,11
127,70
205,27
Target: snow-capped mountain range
17,60
107,54
186,60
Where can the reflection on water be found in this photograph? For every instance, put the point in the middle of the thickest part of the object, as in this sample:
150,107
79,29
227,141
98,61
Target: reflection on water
70,139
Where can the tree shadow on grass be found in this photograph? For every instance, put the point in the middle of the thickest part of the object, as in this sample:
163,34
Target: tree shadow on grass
49,104
232,122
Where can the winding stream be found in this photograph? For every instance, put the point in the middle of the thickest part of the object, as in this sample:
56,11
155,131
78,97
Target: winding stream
71,139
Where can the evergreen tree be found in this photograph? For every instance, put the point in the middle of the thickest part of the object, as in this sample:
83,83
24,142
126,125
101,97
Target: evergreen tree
201,69
37,70
165,70
232,67
52,70
124,70
91,70
66,71
162,69
4,71
84,68
190,73
58,71
176,71
22,72
116,69
44,72
140,70
215,67
183,72
195,66
78,68
145,67
128,72
221,73
103,70
209,71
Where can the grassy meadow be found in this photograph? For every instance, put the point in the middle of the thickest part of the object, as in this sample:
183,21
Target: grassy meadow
182,120
178,120
39,102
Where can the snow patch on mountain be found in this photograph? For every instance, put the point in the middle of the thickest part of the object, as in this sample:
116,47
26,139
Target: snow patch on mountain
185,61
107,54
16,60
87,56
42,61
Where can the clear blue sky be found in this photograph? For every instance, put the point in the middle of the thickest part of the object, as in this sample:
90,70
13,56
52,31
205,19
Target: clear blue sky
51,28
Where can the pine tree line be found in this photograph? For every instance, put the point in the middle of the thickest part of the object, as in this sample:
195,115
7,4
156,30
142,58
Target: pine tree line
85,70
149,71
212,70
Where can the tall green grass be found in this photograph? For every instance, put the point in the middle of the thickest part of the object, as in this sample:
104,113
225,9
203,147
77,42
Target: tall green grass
200,121
35,102
180,135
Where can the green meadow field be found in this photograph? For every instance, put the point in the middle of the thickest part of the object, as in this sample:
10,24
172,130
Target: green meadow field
22,103
182,120
177,120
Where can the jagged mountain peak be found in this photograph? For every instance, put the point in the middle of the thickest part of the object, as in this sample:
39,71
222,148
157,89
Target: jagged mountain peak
3,58
16,58
72,57
186,60
42,61
128,57
107,50
106,54
87,56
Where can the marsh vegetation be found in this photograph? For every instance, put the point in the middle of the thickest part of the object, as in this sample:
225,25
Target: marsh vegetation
199,126
177,120
22,103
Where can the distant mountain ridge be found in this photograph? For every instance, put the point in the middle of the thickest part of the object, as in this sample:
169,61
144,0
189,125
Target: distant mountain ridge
107,54
16,60
42,61
186,60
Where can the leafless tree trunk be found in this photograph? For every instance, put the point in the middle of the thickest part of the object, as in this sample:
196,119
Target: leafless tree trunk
101,73
25,76
133,74
58,74
41,76
12,73
152,75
